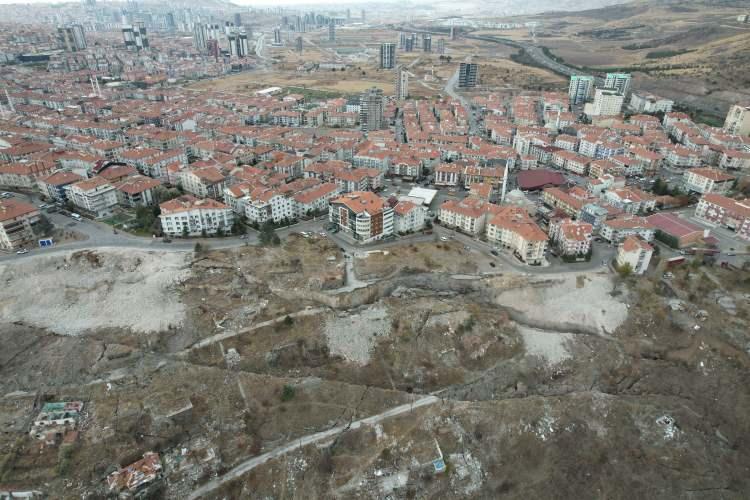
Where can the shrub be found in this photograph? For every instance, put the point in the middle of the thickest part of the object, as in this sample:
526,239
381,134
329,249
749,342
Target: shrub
287,393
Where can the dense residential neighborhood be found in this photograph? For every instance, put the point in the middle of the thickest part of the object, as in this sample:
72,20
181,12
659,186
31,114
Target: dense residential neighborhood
374,250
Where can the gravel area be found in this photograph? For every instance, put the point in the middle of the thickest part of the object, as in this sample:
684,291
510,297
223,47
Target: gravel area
75,292
551,346
568,299
353,335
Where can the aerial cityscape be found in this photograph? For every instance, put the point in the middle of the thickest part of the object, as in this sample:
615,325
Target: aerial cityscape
375,250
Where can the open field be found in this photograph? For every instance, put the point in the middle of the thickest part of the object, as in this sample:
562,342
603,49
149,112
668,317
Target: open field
560,372
360,51
695,53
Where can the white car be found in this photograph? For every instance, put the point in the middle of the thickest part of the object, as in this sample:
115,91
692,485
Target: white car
443,238
22,251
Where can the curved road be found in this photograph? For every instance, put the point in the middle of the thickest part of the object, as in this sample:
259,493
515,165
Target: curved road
534,51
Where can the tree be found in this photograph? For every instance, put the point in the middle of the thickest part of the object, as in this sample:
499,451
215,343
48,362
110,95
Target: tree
660,187
239,228
163,193
625,270
44,227
185,232
200,248
145,217
268,235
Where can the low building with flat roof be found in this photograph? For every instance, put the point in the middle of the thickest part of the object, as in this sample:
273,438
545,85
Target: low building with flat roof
676,231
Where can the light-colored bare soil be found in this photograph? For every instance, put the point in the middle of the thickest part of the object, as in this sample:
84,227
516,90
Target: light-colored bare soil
75,292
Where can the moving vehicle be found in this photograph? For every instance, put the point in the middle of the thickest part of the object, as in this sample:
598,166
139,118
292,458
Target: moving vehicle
22,251
76,217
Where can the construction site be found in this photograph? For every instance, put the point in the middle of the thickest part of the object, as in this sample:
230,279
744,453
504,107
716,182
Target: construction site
298,371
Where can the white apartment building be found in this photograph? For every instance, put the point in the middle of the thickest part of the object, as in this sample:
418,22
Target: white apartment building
188,215
204,182
606,103
619,228
408,217
738,120
648,103
580,89
636,253
707,180
269,205
619,82
95,196
315,199
571,237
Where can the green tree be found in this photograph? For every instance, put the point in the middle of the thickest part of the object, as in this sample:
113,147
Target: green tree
43,227
625,270
287,393
145,217
239,228
267,234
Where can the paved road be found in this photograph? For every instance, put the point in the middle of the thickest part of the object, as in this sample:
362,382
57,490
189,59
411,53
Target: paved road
254,462
534,51
98,235
601,253
450,89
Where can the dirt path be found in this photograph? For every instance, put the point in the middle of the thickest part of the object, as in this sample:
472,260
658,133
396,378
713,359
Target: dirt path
228,335
252,463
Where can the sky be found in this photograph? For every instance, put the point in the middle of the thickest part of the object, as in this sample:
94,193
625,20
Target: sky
263,3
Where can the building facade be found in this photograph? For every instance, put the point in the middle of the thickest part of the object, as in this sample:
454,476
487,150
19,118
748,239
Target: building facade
362,215
190,216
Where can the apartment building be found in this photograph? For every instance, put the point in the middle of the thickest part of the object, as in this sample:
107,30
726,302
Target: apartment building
136,190
571,237
469,215
562,200
17,220
680,156
738,120
188,215
707,180
726,212
649,103
732,159
95,197
619,228
580,89
362,215
630,200
203,182
408,217
606,103
53,186
448,174
513,229
636,253
315,199
264,204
